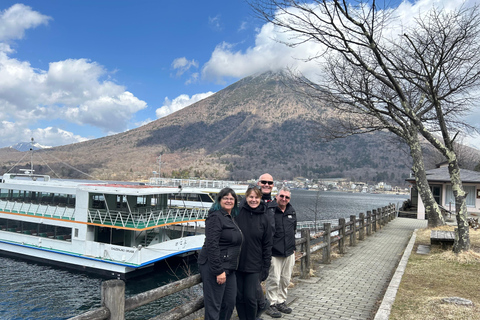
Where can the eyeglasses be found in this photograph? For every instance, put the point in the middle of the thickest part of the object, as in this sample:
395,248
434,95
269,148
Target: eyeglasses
228,199
266,182
284,196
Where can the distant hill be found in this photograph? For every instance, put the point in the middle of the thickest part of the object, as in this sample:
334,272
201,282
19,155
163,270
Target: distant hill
258,124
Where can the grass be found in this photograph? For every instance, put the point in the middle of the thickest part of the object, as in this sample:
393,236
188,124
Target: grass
440,274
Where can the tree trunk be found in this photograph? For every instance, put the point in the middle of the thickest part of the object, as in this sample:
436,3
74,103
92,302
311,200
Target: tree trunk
435,216
463,243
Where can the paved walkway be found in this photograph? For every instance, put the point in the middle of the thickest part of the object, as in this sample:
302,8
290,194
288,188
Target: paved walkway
353,285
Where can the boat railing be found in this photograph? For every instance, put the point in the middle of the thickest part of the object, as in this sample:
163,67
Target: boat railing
47,211
196,183
318,225
146,217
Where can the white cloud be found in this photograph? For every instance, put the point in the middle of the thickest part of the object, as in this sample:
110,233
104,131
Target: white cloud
69,90
182,65
472,140
51,136
74,90
215,23
179,103
12,133
16,19
268,54
243,26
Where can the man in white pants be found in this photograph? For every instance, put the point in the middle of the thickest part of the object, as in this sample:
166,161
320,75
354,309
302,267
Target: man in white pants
283,255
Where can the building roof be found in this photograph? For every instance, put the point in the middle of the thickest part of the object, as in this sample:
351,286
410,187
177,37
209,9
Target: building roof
441,175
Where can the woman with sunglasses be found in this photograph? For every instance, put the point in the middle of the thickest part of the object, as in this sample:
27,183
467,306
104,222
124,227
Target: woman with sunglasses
219,257
255,259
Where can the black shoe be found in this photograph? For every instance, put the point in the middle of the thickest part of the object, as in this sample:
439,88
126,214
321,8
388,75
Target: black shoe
262,309
282,307
273,312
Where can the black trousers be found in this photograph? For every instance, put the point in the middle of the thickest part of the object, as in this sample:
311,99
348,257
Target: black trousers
247,295
219,298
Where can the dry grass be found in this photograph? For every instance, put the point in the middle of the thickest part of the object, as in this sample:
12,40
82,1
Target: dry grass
440,274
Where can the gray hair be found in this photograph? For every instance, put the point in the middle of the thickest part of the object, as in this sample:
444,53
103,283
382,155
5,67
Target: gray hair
285,189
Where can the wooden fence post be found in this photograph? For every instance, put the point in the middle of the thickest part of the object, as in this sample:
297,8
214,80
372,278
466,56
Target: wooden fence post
305,261
353,230
113,298
341,241
374,220
369,223
361,233
327,250
380,220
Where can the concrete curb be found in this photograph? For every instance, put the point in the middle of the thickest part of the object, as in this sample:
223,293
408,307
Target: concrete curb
385,308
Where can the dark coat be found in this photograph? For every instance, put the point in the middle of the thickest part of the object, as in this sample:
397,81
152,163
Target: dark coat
223,242
285,229
257,232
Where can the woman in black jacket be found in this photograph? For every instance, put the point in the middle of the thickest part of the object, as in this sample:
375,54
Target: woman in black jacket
219,257
256,253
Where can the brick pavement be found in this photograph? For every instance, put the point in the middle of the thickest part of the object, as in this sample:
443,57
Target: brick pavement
353,285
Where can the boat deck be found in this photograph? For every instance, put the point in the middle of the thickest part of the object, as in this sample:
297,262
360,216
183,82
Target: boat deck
147,219
46,211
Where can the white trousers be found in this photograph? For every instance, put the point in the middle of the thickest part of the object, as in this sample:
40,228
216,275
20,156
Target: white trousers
279,278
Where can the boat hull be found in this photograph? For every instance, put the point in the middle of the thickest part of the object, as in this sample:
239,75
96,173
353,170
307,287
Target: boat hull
101,267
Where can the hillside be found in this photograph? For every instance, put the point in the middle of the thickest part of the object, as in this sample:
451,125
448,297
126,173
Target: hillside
258,124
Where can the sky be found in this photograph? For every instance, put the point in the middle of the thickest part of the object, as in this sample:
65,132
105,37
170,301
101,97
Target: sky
76,70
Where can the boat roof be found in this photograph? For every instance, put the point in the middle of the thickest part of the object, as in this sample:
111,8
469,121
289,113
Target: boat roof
44,183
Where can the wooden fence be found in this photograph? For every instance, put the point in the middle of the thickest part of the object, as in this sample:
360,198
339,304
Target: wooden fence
114,303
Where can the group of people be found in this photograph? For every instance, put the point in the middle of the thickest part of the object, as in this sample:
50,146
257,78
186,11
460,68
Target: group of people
247,243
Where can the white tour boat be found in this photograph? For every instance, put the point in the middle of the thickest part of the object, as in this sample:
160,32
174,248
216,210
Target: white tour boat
111,228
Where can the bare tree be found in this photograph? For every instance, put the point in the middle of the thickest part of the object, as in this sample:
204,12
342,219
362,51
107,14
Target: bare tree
381,75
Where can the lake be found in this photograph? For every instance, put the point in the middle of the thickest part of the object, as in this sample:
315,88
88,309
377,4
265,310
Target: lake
36,291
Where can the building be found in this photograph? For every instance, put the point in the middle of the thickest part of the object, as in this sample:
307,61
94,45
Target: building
439,181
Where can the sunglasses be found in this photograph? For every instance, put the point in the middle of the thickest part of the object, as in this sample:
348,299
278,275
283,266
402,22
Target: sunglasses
266,182
283,196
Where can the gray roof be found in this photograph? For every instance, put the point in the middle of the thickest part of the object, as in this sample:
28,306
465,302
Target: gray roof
441,175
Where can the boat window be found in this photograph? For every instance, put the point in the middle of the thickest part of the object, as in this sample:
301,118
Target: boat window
36,229
205,197
141,201
97,201
3,194
35,197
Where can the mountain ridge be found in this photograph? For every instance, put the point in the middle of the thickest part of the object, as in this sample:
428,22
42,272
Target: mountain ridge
261,123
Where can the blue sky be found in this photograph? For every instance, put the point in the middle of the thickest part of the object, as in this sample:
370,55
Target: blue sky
77,70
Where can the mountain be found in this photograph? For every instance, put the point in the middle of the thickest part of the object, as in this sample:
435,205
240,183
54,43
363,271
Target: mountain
27,146
259,124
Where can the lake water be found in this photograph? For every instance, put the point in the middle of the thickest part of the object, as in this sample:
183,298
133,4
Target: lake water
35,291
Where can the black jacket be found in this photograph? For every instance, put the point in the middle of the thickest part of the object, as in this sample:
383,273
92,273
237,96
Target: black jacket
257,233
223,242
285,229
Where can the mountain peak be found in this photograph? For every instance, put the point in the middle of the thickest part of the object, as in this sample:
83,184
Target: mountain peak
259,124
27,146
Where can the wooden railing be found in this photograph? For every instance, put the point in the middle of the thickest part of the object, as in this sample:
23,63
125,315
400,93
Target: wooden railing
114,303
363,225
